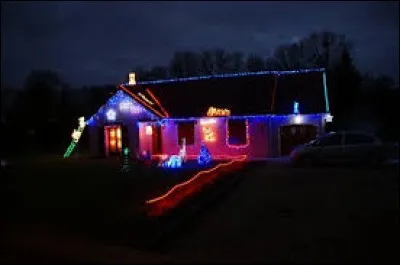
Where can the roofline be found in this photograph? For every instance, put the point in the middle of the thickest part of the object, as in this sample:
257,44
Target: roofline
244,116
241,74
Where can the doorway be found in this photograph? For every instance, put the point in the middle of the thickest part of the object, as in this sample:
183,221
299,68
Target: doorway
112,140
156,139
292,135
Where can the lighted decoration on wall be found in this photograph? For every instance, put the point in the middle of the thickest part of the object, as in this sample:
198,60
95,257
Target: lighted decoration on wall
212,112
204,157
328,118
122,102
111,115
298,119
237,146
149,130
76,135
296,107
208,134
132,79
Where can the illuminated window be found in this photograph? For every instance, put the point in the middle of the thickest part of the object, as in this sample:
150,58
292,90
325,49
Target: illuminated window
237,133
186,130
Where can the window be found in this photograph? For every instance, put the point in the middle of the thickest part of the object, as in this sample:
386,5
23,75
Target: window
359,138
331,140
186,130
237,132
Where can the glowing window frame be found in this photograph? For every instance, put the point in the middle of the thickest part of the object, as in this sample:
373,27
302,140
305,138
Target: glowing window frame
227,135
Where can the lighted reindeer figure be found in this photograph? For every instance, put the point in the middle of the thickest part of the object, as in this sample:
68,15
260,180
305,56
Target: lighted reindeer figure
182,151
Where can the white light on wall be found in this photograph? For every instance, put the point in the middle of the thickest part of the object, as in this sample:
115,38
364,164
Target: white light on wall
125,106
298,119
111,115
328,118
149,130
208,121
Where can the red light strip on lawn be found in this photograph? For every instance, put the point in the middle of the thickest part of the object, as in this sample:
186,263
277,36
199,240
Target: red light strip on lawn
239,159
141,101
157,101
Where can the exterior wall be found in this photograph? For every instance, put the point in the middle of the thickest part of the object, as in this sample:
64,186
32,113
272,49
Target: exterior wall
275,122
127,117
264,136
257,130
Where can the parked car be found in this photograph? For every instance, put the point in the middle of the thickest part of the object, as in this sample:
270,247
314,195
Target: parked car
348,147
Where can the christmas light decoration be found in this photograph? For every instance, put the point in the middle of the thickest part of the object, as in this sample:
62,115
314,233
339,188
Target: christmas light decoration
208,134
125,160
111,115
182,150
328,118
132,79
296,107
204,157
298,119
195,177
76,135
175,161
143,102
212,112
325,92
166,114
149,130
207,121
146,99
124,103
205,77
237,146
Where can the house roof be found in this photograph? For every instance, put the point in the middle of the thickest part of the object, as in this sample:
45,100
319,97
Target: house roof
244,94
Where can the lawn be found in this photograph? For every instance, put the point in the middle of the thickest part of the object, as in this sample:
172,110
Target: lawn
85,197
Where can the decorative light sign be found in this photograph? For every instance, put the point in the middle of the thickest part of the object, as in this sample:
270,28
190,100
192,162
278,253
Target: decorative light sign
212,112
132,79
146,99
111,115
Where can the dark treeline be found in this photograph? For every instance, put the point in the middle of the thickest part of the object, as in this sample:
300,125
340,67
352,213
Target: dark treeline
44,112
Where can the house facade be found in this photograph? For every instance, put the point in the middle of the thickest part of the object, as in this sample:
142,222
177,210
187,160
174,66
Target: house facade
261,115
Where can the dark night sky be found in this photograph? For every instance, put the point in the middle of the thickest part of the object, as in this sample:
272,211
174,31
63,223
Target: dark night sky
99,42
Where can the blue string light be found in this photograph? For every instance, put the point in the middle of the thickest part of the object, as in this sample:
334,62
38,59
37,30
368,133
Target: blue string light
205,77
114,103
325,92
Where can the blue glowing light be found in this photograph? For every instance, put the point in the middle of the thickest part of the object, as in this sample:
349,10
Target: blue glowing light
205,77
204,157
296,107
174,161
325,92
122,103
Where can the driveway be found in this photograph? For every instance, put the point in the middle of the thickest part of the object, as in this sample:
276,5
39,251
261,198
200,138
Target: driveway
278,214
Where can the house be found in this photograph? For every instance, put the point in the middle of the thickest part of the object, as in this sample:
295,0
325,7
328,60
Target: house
260,114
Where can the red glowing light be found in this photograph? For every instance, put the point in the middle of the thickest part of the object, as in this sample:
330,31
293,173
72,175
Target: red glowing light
149,130
158,102
238,146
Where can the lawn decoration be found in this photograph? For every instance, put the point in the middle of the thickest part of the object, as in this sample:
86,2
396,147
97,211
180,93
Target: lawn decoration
182,151
204,157
76,135
125,160
176,161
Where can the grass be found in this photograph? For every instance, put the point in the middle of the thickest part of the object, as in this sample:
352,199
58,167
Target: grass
85,197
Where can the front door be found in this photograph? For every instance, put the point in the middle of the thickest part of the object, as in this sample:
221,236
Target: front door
156,139
293,135
112,140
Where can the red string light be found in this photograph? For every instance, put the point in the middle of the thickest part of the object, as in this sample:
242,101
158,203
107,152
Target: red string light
158,102
237,146
196,176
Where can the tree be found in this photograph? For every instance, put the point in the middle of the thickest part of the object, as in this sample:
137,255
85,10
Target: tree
254,63
222,61
207,65
345,88
320,49
237,61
